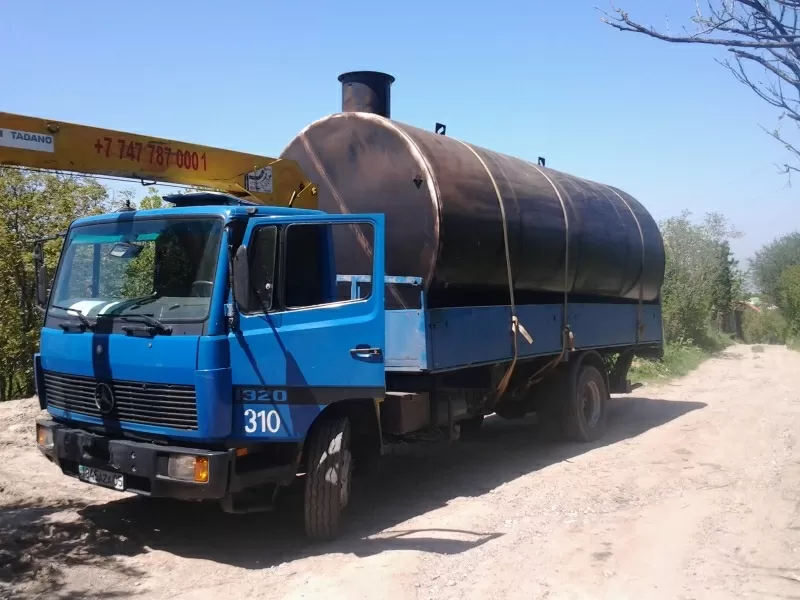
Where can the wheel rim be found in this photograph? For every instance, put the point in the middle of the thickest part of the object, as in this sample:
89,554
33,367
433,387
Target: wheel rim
344,491
591,404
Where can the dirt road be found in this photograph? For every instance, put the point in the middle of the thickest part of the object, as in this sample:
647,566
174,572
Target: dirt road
693,494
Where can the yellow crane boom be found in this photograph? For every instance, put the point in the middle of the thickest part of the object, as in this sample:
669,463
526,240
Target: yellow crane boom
45,144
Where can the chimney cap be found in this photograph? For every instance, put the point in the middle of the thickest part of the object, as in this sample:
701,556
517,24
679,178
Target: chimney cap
358,75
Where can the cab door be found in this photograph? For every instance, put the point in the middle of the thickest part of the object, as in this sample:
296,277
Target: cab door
300,346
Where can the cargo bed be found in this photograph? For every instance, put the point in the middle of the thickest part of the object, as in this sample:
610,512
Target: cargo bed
422,340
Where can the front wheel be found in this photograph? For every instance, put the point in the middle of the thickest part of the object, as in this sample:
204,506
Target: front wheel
327,490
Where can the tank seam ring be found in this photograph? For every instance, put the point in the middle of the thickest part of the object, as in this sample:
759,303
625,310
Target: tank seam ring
362,240
516,326
638,226
430,182
566,240
567,339
639,324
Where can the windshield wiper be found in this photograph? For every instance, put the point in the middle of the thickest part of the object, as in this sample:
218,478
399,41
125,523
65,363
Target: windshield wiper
143,318
142,301
78,313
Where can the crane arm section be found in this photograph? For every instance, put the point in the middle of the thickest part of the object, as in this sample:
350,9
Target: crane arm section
44,144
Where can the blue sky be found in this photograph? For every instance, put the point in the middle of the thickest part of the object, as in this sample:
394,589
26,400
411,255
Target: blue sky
527,78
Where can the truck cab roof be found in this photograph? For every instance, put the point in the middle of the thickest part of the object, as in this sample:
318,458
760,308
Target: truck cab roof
226,206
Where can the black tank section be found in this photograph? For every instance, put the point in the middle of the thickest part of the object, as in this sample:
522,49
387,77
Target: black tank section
444,221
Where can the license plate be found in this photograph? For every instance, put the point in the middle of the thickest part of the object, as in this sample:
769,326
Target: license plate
99,477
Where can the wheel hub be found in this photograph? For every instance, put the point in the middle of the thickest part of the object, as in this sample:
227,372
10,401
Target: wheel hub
591,404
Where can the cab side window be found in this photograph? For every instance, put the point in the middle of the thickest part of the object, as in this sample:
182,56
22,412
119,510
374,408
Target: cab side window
304,275
302,262
262,259
315,254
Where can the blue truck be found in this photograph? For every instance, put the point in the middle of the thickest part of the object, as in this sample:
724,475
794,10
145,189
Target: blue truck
219,349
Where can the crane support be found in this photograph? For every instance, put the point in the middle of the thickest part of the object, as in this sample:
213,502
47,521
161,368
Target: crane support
53,145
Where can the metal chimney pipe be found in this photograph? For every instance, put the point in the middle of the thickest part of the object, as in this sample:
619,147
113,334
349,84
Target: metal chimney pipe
367,91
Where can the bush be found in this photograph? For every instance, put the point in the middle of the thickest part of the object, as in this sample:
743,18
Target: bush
679,359
713,340
681,356
767,327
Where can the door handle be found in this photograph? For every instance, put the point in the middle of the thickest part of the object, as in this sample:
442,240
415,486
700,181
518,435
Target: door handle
365,352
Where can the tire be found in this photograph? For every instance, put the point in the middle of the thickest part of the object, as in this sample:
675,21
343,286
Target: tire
328,479
585,414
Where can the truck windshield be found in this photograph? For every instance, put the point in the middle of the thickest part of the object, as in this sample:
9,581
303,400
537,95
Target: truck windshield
161,268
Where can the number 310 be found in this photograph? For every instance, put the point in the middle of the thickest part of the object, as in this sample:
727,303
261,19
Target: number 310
262,421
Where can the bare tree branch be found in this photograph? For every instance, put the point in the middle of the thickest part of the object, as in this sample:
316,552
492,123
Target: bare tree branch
624,23
764,38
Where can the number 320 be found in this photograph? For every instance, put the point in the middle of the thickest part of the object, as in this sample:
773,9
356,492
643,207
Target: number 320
262,421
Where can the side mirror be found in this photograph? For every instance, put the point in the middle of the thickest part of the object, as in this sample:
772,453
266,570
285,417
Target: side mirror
241,278
41,286
41,276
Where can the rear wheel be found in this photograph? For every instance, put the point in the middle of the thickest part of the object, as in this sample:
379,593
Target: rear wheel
328,480
584,417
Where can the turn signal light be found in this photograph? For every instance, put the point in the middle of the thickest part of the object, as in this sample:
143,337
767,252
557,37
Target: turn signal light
201,469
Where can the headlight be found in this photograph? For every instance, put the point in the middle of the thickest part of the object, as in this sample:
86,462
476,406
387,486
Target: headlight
44,437
188,468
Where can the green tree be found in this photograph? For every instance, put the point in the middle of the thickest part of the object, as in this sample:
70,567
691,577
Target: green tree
33,205
790,297
771,261
152,200
724,286
701,279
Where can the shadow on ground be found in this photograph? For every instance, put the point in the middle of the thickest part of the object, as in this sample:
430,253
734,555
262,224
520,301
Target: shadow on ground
407,487
36,549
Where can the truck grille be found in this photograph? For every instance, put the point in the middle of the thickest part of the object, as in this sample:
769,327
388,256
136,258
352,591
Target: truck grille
160,404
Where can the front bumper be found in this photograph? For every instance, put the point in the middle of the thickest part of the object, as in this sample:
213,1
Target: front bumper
145,465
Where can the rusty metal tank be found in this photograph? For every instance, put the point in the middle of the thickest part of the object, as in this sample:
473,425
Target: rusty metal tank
444,222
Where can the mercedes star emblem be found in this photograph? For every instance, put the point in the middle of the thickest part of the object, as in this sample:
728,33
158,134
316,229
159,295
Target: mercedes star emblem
104,398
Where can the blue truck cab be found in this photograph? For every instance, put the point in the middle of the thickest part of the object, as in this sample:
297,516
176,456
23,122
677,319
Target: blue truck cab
212,351
159,382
